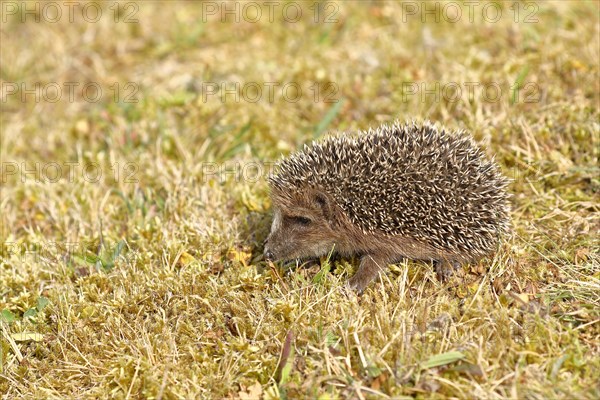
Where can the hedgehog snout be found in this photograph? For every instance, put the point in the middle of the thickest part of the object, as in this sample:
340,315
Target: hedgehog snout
275,249
269,256
267,252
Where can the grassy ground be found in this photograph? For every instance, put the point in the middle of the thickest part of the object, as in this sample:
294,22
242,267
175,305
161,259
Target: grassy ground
132,230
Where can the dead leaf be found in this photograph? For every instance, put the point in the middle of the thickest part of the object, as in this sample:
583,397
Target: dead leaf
468,368
241,255
253,392
286,359
185,259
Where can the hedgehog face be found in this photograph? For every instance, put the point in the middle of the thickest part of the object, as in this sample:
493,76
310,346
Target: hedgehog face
300,229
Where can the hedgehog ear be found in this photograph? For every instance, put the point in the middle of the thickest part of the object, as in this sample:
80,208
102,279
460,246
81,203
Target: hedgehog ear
323,203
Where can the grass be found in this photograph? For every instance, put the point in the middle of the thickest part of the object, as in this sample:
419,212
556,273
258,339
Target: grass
148,281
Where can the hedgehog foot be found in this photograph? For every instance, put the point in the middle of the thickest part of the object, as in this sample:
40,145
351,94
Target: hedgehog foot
445,269
367,271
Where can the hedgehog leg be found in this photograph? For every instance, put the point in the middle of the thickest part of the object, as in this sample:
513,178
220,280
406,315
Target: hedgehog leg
444,269
367,271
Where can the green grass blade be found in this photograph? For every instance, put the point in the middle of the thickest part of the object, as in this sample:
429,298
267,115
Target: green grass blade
443,359
328,118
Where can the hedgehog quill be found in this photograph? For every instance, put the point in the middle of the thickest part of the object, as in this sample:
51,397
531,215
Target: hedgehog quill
400,191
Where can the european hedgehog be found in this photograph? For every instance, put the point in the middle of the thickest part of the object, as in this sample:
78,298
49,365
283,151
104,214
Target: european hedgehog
400,191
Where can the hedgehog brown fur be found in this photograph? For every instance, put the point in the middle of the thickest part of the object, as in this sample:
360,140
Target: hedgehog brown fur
401,191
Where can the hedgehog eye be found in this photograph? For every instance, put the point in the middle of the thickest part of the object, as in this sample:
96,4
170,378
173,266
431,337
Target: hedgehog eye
301,220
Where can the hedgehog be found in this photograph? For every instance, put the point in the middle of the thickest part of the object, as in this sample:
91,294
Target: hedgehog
400,191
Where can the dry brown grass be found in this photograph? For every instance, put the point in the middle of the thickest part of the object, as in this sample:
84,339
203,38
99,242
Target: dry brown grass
187,307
